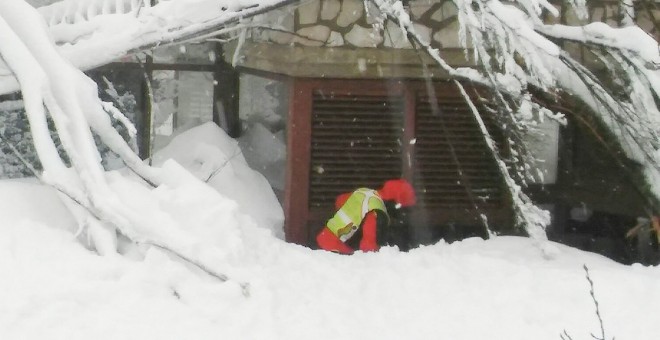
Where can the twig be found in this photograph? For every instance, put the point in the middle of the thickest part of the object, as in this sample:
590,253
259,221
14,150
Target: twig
565,336
593,297
245,286
448,138
222,166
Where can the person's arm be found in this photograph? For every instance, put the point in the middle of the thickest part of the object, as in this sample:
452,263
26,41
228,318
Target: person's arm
328,241
369,240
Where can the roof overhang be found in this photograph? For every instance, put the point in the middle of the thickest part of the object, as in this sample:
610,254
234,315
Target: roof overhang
343,62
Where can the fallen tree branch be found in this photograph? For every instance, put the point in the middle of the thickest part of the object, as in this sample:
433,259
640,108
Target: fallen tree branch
452,150
96,214
533,220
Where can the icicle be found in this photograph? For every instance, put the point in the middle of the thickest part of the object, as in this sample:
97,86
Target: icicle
237,52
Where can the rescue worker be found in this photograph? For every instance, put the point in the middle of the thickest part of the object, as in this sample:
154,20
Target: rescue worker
362,217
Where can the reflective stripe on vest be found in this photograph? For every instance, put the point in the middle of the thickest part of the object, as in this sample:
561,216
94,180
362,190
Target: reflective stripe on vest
348,218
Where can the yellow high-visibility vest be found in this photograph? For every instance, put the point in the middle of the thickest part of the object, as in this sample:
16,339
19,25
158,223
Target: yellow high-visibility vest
348,218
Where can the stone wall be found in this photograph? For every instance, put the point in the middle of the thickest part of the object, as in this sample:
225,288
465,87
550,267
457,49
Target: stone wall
334,23
337,38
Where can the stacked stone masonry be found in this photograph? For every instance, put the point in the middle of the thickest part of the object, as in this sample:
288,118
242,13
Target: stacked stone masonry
334,23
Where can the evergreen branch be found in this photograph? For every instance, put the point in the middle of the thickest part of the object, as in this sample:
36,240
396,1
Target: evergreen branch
19,155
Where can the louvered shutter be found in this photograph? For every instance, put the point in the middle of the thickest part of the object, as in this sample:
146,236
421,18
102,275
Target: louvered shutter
365,132
356,142
449,141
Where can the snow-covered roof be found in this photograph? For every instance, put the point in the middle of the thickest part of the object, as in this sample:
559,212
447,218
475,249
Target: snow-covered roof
91,33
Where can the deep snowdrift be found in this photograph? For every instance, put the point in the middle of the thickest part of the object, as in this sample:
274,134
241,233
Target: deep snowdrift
52,287
214,157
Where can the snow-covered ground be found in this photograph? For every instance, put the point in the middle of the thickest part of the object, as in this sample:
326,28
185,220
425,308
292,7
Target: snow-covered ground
52,287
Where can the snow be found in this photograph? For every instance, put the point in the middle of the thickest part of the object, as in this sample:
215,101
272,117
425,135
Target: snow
91,33
43,205
631,38
208,207
212,156
265,152
504,288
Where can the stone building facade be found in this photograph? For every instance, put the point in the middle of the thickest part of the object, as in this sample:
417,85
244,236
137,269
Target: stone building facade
320,53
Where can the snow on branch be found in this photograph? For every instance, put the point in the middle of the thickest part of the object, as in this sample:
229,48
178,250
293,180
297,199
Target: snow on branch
534,220
517,55
631,39
51,85
94,33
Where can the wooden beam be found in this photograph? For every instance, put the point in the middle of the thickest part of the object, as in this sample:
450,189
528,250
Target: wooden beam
343,62
225,95
298,158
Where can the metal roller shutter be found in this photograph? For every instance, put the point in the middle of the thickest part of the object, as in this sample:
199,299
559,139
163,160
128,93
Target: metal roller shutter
448,143
362,133
356,142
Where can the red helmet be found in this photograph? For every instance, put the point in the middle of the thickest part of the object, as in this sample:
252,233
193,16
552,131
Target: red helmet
399,191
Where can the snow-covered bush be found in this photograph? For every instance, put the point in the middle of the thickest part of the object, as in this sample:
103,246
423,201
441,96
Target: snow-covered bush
16,142
16,136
